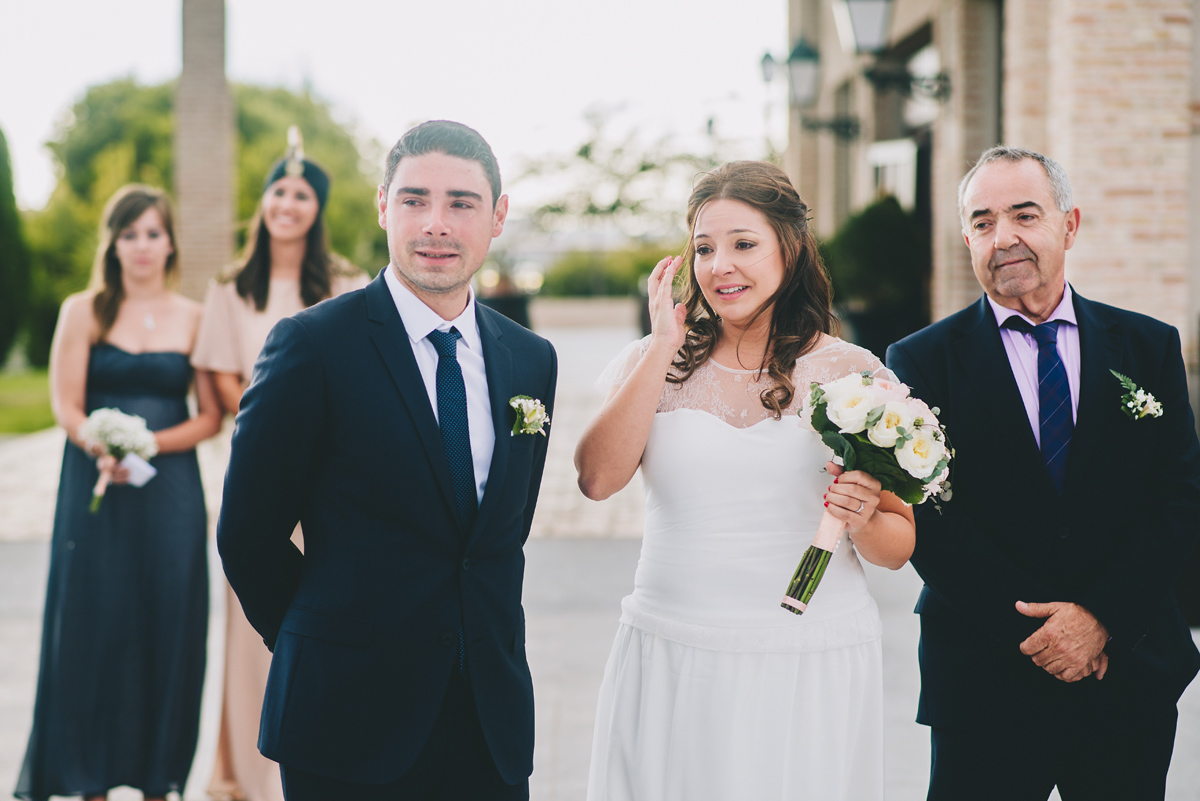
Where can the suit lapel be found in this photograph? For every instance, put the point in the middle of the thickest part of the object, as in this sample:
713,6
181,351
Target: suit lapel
983,359
391,340
1099,351
497,360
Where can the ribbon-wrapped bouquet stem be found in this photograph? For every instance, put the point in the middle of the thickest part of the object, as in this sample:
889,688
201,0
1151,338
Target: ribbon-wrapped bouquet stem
124,437
876,426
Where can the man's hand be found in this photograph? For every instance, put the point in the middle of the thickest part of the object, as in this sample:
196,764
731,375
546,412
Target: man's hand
1070,644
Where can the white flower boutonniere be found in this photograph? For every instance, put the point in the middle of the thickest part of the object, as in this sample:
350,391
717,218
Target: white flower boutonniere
1137,403
531,415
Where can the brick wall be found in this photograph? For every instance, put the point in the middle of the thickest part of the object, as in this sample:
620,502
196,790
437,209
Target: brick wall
1118,120
204,139
966,35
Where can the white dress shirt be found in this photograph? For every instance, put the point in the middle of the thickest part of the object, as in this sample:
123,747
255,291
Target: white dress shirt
419,320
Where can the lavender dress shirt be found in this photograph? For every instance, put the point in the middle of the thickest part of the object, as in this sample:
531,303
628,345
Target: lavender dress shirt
1022,350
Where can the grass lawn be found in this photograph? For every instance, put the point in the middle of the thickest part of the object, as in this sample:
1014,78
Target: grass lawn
24,402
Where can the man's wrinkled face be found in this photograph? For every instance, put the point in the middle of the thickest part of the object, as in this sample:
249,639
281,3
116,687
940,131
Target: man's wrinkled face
1017,235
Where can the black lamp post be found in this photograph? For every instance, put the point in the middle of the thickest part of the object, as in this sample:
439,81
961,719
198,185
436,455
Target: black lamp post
804,74
870,22
804,84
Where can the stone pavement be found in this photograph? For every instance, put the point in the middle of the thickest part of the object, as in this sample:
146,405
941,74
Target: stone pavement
580,563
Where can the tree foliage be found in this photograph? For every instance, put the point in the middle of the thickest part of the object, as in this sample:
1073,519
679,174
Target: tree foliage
121,132
879,263
638,189
14,258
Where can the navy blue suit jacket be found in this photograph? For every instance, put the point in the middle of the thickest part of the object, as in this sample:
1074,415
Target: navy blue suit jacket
1113,542
336,432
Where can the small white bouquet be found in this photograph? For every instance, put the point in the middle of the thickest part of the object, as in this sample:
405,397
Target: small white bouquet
124,437
531,415
876,426
1137,403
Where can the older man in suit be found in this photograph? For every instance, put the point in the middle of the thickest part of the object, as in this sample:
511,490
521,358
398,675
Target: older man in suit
1052,652
381,420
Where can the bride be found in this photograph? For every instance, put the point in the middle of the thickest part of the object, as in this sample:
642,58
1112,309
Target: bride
712,691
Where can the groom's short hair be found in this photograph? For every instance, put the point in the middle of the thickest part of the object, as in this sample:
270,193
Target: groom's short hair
451,138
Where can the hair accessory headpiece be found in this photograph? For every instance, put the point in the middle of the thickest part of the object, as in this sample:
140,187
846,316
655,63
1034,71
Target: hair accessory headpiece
294,164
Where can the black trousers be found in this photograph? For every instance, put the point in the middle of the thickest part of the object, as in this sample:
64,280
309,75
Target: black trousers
1088,754
454,765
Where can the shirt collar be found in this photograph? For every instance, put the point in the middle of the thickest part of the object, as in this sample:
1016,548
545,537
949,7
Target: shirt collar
1064,312
419,319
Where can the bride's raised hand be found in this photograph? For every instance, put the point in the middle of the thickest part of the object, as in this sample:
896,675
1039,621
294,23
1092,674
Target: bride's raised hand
666,316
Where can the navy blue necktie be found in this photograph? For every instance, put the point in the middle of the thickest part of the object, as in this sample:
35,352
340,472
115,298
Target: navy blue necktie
452,420
456,436
1055,418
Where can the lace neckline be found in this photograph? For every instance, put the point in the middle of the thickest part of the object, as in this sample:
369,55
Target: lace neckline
831,343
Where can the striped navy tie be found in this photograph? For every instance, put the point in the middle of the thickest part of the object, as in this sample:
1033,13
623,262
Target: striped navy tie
1055,418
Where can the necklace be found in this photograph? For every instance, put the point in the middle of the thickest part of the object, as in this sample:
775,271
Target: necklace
148,321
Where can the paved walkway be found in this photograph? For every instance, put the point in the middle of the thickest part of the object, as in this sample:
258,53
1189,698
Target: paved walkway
580,563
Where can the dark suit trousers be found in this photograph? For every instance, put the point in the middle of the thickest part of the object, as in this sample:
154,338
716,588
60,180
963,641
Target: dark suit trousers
1089,754
455,764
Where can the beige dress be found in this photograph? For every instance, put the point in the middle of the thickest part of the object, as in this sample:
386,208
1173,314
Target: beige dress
231,334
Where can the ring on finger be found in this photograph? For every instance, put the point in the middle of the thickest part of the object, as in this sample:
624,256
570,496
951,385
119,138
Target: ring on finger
861,506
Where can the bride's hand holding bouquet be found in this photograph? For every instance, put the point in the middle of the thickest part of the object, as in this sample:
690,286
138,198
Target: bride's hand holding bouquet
887,441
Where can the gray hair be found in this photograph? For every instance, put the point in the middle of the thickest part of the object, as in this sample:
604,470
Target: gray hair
1060,184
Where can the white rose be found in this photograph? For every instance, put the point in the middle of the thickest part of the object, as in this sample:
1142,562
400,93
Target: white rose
848,403
921,454
896,414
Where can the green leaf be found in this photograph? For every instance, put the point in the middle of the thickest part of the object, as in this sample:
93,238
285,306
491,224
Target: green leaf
842,447
1126,381
874,416
820,420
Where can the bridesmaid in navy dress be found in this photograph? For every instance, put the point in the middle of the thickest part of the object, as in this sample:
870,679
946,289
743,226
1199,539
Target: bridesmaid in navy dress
123,637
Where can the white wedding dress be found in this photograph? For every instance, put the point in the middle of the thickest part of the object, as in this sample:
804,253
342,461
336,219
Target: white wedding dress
713,691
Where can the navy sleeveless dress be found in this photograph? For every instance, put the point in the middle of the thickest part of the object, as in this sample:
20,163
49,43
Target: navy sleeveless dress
123,637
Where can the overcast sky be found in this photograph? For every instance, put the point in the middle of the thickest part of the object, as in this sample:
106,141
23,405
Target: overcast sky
522,72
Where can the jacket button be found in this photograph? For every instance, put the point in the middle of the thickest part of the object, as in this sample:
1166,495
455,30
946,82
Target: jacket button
466,563
1064,532
447,639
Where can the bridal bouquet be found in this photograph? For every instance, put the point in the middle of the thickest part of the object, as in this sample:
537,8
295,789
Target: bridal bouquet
876,426
125,437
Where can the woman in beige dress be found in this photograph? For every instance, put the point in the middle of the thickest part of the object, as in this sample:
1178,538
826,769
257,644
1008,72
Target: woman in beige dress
286,267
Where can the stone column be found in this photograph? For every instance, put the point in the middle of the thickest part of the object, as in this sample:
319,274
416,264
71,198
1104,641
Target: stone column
967,35
1191,330
801,157
204,162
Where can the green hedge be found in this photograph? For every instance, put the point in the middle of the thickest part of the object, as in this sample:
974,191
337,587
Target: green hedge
602,273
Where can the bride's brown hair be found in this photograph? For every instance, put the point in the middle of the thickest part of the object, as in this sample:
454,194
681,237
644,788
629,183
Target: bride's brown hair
800,309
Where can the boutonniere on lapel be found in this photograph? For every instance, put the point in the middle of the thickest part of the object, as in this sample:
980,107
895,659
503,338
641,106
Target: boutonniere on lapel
531,415
1137,403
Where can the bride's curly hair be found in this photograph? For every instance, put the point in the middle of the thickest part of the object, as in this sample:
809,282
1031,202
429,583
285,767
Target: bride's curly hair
799,310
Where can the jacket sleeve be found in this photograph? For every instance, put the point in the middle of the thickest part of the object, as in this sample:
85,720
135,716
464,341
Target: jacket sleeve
274,451
1135,583
539,461
959,563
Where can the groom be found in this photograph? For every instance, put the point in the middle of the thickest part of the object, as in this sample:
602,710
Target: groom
1051,649
381,421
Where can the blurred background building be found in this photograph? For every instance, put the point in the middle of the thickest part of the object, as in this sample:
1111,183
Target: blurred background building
899,98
